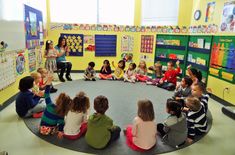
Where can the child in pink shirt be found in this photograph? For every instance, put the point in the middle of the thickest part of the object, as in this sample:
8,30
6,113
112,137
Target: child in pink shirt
141,136
141,73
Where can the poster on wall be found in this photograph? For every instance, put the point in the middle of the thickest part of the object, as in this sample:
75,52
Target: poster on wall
7,67
228,17
20,63
74,43
127,43
147,43
127,57
210,9
33,27
146,58
32,60
39,55
89,43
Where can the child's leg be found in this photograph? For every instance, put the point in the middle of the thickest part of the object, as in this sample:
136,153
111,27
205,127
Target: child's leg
83,130
160,129
36,109
142,78
115,134
133,78
102,76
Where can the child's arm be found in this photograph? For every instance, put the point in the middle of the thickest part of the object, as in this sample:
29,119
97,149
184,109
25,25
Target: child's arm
47,90
189,70
113,64
134,127
178,67
191,127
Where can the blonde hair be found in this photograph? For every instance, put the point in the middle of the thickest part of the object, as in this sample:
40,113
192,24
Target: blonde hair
41,70
35,75
145,110
193,103
145,66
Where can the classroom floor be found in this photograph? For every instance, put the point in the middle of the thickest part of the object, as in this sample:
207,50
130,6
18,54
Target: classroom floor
17,139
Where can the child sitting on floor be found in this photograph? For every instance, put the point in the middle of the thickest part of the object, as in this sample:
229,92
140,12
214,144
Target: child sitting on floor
194,74
199,91
141,136
170,77
174,129
43,80
89,73
100,128
157,71
53,117
37,78
105,71
196,118
141,72
76,119
119,70
183,90
130,74
26,104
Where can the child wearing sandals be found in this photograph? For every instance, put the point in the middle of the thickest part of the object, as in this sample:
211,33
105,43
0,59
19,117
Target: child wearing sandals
105,71
174,129
76,119
141,136
100,129
53,117
130,74
141,72
119,70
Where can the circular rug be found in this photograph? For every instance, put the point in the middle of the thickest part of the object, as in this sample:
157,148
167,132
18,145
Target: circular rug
123,99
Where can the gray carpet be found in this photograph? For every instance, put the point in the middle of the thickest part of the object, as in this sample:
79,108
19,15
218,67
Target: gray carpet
123,99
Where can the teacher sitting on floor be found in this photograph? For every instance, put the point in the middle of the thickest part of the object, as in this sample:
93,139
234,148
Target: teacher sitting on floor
62,64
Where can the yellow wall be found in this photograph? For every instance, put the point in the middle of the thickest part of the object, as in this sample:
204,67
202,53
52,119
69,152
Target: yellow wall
185,12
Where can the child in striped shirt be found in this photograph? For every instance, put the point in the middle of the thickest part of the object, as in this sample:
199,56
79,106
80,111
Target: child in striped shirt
53,116
196,118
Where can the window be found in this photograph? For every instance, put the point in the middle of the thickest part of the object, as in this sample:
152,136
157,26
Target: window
119,12
160,12
73,11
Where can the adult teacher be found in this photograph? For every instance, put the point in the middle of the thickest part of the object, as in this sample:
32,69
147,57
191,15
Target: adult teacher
61,62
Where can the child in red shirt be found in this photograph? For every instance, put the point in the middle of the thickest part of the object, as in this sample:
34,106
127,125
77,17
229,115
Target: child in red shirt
170,77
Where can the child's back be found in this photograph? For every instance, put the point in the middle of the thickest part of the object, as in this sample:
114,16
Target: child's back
144,133
98,134
177,128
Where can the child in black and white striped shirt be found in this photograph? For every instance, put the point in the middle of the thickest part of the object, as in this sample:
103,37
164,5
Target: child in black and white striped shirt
196,118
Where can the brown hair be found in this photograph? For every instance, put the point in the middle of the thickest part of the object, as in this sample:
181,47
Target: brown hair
171,63
201,86
80,103
62,104
145,110
193,103
101,104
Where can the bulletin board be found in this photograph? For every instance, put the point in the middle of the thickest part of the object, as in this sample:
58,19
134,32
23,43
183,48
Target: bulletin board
105,45
74,43
147,43
33,27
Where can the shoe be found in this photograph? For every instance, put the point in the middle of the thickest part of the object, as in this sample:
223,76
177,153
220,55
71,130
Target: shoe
93,79
61,79
69,78
86,79
53,90
3,153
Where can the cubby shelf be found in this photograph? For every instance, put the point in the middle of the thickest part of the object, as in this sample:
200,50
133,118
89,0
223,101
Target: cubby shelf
199,50
168,59
171,47
198,66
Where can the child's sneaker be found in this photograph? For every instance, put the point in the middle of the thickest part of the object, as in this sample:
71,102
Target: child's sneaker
93,79
124,131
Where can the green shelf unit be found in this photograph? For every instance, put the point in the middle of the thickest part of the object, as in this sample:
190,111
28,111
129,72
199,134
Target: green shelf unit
171,45
199,53
222,64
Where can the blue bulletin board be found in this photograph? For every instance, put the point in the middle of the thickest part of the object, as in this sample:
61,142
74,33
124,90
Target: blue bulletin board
33,27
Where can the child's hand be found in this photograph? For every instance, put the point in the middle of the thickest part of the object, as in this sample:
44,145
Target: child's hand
60,135
177,62
185,109
189,66
161,81
177,98
49,79
189,140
